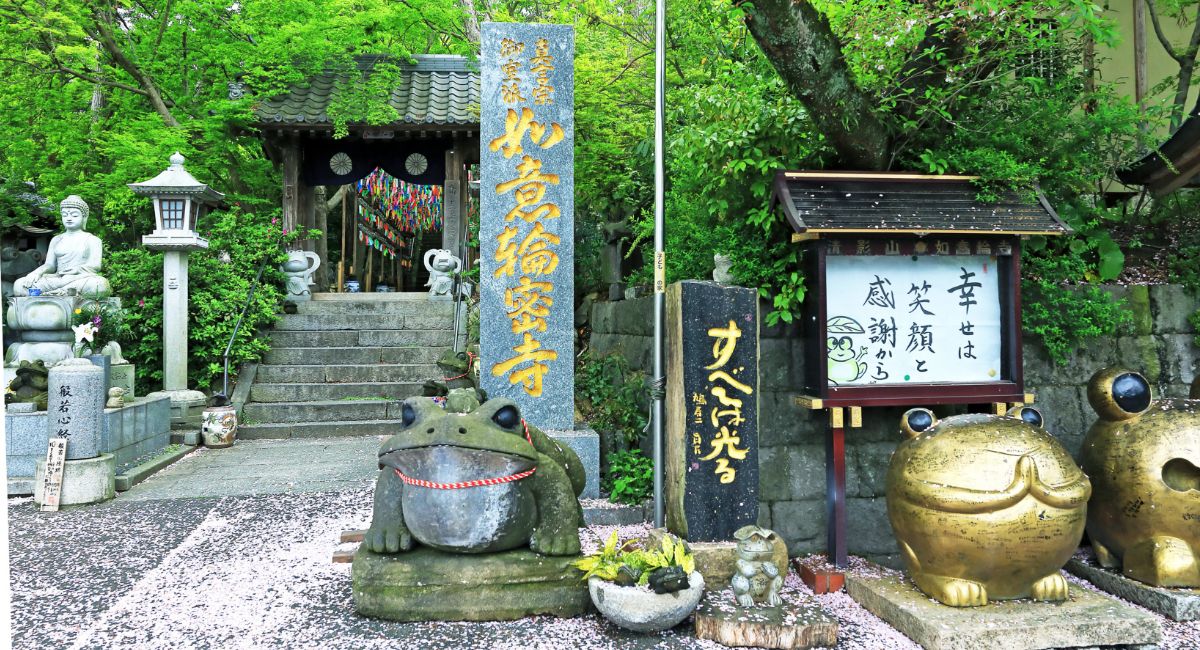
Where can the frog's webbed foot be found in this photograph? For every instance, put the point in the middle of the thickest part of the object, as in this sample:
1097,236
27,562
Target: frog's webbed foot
388,538
1105,557
1163,561
387,533
555,540
954,592
1053,588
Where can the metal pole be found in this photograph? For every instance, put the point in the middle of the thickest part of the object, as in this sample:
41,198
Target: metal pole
660,69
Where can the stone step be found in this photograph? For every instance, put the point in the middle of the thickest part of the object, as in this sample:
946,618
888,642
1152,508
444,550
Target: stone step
310,392
346,307
347,374
332,429
320,411
306,356
392,321
373,296
438,338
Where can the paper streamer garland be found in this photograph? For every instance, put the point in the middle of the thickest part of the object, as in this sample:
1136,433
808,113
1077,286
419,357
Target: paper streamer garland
407,206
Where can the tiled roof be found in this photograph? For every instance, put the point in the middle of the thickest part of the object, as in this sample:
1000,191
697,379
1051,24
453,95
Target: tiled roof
820,202
439,89
1174,164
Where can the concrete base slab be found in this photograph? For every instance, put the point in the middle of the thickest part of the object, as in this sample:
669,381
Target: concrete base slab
188,438
88,480
20,486
1086,620
1176,604
791,625
428,585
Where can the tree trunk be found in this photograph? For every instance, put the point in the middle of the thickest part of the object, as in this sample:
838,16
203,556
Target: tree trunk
801,45
145,82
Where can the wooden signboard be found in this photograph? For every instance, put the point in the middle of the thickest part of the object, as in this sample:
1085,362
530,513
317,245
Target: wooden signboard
56,458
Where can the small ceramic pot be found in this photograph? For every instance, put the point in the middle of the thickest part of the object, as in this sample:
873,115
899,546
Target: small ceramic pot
641,610
218,426
352,286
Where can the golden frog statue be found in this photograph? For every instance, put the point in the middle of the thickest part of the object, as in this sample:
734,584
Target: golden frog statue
985,507
1144,458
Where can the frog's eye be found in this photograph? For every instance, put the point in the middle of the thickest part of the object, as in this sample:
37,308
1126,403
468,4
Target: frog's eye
1116,394
845,343
408,415
462,356
916,421
831,343
507,417
1027,413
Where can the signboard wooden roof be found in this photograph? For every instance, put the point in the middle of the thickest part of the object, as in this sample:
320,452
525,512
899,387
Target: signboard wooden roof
818,202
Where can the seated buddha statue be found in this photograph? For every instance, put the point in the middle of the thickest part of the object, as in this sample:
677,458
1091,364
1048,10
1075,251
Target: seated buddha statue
72,261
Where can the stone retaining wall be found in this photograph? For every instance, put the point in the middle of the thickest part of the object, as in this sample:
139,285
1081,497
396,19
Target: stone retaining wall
791,439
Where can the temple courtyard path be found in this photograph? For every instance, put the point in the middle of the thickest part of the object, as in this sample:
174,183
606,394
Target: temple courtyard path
231,549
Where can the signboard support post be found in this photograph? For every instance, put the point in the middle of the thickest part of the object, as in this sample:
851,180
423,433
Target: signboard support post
835,486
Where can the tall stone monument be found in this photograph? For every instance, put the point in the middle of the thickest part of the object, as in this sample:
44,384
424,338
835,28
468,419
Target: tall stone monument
527,127
527,228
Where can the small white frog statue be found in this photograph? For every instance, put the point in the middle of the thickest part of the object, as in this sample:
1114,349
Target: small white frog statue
757,578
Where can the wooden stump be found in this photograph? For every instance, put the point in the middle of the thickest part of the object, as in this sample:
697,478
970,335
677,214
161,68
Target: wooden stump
791,625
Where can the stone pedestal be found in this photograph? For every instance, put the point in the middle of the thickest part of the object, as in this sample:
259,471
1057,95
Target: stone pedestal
1086,619
42,325
184,403
428,585
1176,604
91,480
791,625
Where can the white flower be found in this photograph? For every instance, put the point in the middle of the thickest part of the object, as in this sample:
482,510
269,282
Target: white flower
84,332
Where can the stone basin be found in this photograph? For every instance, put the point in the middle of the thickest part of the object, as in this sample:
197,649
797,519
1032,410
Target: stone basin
479,519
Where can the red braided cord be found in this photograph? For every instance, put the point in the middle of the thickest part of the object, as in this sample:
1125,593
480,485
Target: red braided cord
470,484
470,362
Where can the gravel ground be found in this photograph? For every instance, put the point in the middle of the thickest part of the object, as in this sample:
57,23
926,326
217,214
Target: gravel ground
254,571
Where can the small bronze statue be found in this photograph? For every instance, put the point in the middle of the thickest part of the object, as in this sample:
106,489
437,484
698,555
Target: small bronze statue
757,578
31,384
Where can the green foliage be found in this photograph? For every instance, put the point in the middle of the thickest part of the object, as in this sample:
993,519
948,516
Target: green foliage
218,292
638,557
630,477
1063,315
609,394
106,323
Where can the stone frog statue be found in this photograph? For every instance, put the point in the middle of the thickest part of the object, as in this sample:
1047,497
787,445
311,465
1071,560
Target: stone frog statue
31,384
461,370
985,507
756,578
476,482
1143,456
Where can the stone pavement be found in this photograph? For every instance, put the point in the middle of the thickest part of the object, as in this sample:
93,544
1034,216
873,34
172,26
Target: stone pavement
266,467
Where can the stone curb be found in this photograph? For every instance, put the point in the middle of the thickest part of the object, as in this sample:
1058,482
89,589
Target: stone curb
139,473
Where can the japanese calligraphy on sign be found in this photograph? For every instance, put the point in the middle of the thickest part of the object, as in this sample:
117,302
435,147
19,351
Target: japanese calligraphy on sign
712,423
527,218
921,319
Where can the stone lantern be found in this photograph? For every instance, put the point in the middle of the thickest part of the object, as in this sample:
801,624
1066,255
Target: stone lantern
179,201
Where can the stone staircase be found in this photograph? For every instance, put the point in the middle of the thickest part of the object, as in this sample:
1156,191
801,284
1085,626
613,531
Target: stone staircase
341,365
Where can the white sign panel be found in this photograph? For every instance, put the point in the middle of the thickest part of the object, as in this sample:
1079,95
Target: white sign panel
899,319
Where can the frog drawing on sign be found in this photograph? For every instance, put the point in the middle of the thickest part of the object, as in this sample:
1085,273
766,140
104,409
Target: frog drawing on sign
845,363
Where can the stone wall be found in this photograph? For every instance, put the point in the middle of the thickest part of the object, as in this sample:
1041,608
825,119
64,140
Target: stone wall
792,439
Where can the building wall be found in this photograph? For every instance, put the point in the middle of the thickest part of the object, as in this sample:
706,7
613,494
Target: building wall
1116,64
791,439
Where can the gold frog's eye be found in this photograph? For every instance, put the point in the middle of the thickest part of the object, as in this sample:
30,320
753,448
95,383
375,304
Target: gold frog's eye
1027,413
916,421
1117,394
